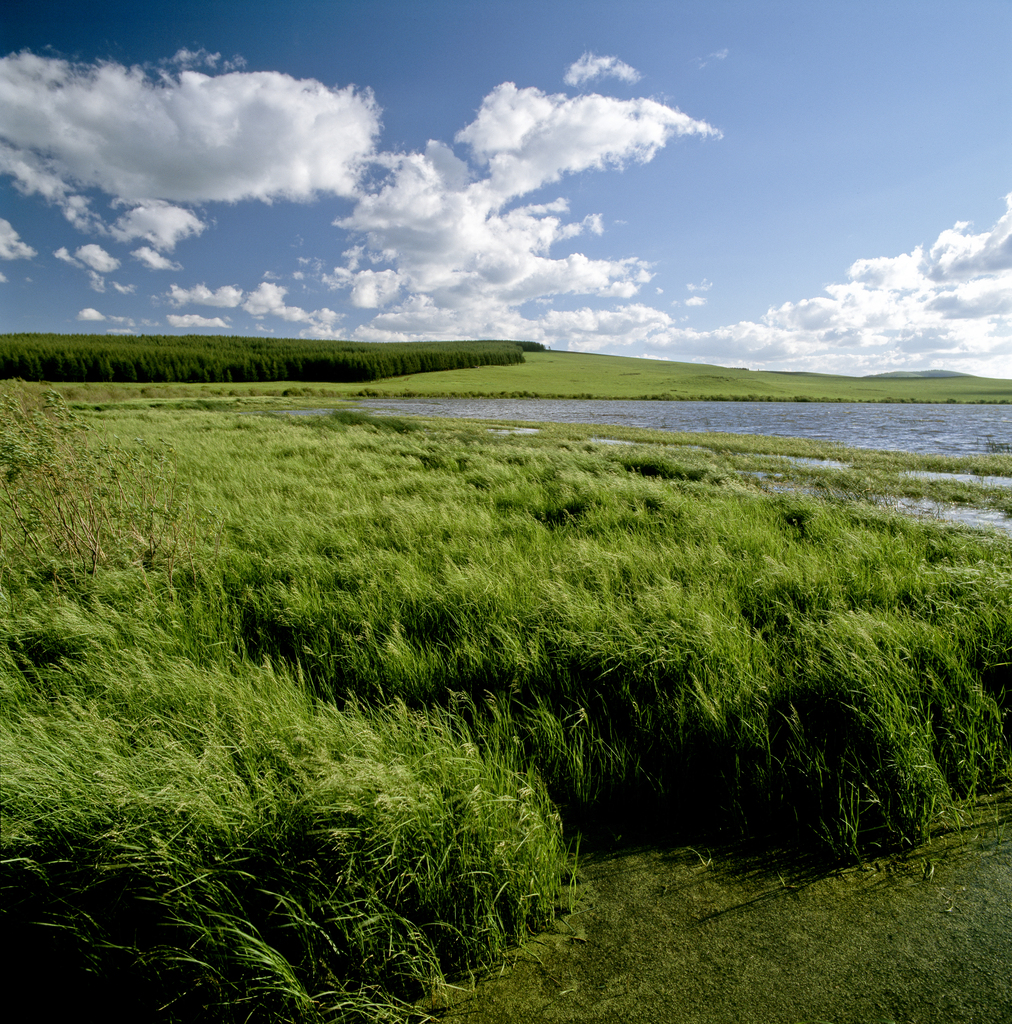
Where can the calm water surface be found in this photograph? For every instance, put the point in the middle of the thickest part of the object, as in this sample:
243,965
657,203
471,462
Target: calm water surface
927,429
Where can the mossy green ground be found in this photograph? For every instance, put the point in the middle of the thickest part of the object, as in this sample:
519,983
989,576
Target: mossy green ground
323,760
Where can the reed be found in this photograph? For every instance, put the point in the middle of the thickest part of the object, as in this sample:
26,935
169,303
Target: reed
310,775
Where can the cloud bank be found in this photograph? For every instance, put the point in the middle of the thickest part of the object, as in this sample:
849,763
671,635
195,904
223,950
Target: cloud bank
448,251
949,305
153,141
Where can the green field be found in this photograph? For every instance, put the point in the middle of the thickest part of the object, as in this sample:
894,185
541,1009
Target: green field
581,375
300,714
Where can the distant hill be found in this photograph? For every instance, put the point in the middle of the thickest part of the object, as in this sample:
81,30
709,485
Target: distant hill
919,373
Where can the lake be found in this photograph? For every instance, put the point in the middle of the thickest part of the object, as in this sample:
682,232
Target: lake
926,429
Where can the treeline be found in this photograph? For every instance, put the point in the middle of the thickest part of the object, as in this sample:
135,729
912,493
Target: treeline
203,359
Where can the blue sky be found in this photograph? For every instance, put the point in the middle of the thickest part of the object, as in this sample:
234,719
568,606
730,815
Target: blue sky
790,186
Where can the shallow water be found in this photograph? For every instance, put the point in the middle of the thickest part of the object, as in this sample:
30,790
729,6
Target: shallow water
723,936
926,429
964,478
925,508
964,515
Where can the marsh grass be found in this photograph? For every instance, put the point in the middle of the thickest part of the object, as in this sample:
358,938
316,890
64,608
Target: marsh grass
323,768
79,505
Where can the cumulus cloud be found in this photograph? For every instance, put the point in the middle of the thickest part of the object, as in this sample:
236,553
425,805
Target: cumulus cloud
269,300
95,260
194,320
460,254
11,246
227,296
528,138
154,260
90,314
154,141
160,223
590,67
95,257
949,305
3,278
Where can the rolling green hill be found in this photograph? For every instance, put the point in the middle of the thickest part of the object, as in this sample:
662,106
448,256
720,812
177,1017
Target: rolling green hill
583,375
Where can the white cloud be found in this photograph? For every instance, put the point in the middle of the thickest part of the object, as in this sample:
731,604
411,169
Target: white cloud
11,246
463,259
95,260
227,296
154,260
3,278
696,300
948,306
193,320
90,314
152,142
373,288
95,257
160,223
590,66
703,286
124,289
528,138
119,330
269,299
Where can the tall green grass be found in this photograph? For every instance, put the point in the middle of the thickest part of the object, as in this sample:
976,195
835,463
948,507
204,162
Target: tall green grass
320,768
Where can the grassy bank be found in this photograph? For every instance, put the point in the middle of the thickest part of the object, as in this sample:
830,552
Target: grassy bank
294,741
584,375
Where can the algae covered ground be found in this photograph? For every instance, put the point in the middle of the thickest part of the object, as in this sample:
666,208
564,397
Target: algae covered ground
301,714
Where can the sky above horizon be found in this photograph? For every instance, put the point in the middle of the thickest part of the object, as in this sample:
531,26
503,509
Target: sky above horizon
784,186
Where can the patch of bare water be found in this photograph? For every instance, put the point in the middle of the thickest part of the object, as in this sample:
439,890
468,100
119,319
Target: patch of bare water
929,429
963,478
964,515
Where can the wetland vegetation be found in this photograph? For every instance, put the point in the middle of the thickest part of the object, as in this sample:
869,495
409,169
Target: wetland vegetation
297,710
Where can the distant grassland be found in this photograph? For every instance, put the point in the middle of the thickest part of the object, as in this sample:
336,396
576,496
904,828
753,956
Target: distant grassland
294,709
582,375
